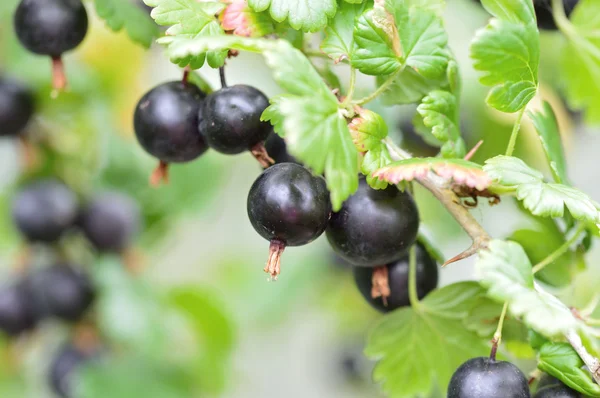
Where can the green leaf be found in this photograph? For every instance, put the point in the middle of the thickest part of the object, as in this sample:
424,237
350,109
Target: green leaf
507,52
506,271
213,331
580,60
242,20
189,20
439,111
540,198
547,128
433,337
395,36
561,361
409,87
119,14
339,40
374,160
368,129
273,114
306,15
315,128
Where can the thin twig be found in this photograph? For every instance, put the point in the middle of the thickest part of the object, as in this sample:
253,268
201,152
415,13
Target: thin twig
590,361
560,251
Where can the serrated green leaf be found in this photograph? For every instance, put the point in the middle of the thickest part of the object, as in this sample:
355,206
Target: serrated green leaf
273,115
434,338
188,20
507,52
395,36
119,14
367,130
547,127
580,60
305,15
339,41
409,87
506,271
439,111
242,20
374,160
540,198
315,128
561,361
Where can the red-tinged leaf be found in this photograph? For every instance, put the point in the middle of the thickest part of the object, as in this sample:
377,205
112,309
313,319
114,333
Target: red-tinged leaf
458,171
241,20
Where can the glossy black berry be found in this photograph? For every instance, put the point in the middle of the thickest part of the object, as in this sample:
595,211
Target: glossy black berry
60,291
110,221
44,210
277,150
374,227
16,312
427,280
230,119
166,122
16,106
64,369
288,206
557,391
485,377
50,27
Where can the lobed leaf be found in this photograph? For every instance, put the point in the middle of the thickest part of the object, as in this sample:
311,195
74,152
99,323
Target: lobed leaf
339,40
305,15
240,19
126,15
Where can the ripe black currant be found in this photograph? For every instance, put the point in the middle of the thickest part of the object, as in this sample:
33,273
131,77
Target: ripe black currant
44,210
230,121
16,106
16,312
374,227
51,27
485,377
166,124
63,369
60,291
277,150
397,278
551,387
110,221
288,206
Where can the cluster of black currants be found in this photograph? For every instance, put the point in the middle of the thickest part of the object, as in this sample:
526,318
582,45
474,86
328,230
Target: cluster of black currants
44,212
489,378
51,28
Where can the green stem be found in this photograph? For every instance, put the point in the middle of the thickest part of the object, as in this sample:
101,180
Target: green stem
412,278
560,251
380,90
515,133
558,12
351,87
315,54
498,334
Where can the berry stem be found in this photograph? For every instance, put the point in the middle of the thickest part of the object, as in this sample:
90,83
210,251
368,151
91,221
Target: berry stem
412,278
186,75
222,77
28,151
560,251
515,133
262,156
86,338
379,90
59,78
351,88
273,267
380,284
498,334
160,175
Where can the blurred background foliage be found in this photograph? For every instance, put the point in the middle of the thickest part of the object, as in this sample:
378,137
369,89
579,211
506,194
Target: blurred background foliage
202,320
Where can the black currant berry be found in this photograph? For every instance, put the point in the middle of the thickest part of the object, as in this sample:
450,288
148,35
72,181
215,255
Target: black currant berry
277,150
44,210
51,27
16,312
166,124
16,106
60,291
397,280
64,367
374,227
414,142
230,120
551,387
288,206
110,221
485,377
